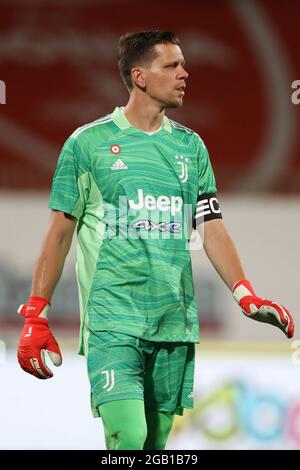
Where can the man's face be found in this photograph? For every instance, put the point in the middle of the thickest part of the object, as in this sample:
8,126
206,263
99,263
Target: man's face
165,77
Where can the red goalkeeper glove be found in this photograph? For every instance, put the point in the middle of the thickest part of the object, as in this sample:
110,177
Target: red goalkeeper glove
36,338
262,310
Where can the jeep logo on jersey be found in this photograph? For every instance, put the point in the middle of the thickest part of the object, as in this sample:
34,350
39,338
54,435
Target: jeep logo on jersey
162,203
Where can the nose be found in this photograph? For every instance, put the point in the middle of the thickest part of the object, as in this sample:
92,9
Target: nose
183,73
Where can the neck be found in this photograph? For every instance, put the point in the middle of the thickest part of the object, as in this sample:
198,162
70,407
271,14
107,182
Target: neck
144,114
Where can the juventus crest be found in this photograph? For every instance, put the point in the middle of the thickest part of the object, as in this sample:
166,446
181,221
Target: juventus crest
110,379
183,162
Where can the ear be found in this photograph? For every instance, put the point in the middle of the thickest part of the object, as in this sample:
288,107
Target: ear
138,76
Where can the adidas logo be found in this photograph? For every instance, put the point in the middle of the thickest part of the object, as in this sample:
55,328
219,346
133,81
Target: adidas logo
119,165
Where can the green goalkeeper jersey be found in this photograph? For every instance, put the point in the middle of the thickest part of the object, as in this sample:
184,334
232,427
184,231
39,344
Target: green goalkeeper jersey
136,196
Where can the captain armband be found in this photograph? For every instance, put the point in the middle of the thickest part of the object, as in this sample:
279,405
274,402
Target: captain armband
207,208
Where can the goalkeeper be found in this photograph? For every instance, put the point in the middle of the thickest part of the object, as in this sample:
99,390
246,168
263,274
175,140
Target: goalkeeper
133,184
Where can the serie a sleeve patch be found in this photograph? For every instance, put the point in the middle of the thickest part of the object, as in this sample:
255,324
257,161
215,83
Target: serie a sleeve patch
207,208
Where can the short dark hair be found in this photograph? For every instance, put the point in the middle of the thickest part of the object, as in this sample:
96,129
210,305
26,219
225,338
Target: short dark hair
138,48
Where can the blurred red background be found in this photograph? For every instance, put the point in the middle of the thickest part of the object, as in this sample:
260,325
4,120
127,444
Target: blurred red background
58,60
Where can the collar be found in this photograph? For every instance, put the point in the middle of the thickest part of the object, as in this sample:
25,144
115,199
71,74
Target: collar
119,118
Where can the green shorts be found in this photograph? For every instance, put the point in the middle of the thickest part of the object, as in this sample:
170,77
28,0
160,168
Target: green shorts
124,367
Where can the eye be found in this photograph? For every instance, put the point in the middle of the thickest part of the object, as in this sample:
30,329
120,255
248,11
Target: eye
174,65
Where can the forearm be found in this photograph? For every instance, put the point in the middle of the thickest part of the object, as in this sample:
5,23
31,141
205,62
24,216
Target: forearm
222,253
49,266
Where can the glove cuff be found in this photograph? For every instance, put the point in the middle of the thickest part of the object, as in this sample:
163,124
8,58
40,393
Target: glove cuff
242,289
35,307
36,298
